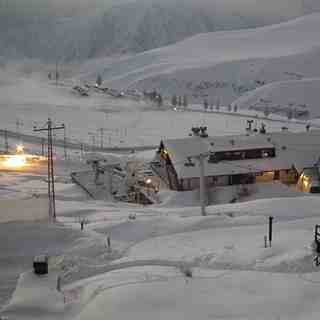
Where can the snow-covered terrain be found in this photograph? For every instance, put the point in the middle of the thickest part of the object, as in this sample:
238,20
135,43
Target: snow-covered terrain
222,65
230,267
76,30
166,260
32,99
285,97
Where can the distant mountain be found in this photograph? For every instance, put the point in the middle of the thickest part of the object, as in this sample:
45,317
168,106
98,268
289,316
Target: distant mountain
228,64
71,30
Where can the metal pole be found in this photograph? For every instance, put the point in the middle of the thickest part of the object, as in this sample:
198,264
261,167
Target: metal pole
81,150
110,181
18,124
52,180
57,72
202,185
65,142
101,137
42,146
6,144
49,169
270,230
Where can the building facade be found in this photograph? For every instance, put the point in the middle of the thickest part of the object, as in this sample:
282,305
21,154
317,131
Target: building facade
236,160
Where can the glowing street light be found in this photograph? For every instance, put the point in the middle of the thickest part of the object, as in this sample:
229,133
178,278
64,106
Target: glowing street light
19,148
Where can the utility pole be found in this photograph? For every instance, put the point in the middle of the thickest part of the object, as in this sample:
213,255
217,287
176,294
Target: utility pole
65,142
81,151
18,124
51,192
6,144
42,146
270,230
202,185
93,140
57,74
317,245
101,130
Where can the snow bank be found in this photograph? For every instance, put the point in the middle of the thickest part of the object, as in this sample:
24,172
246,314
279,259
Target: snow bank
209,295
23,210
35,297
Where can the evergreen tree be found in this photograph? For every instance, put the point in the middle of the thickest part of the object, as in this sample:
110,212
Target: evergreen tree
218,104
235,108
205,104
174,100
179,101
154,95
185,101
99,80
160,100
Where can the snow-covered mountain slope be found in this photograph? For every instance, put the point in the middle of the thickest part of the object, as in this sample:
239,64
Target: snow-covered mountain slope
225,64
69,30
285,97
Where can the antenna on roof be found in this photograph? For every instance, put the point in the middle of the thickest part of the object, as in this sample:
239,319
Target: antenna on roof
189,163
203,132
263,128
195,131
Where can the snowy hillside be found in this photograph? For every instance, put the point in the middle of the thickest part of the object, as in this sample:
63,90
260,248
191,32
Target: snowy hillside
72,30
223,65
286,97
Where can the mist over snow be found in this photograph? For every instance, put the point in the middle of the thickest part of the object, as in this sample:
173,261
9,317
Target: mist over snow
79,29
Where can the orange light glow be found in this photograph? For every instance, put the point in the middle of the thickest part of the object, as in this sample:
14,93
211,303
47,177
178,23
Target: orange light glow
19,148
15,161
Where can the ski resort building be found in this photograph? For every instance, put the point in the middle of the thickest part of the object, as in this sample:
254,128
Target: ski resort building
236,160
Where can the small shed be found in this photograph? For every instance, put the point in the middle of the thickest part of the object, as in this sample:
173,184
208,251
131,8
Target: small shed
40,264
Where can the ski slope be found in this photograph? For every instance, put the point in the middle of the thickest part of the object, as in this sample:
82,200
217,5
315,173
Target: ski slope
222,65
299,94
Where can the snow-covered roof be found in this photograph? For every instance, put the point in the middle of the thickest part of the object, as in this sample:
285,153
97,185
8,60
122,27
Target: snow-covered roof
301,150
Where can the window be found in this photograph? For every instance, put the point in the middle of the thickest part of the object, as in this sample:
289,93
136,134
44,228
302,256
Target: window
242,155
